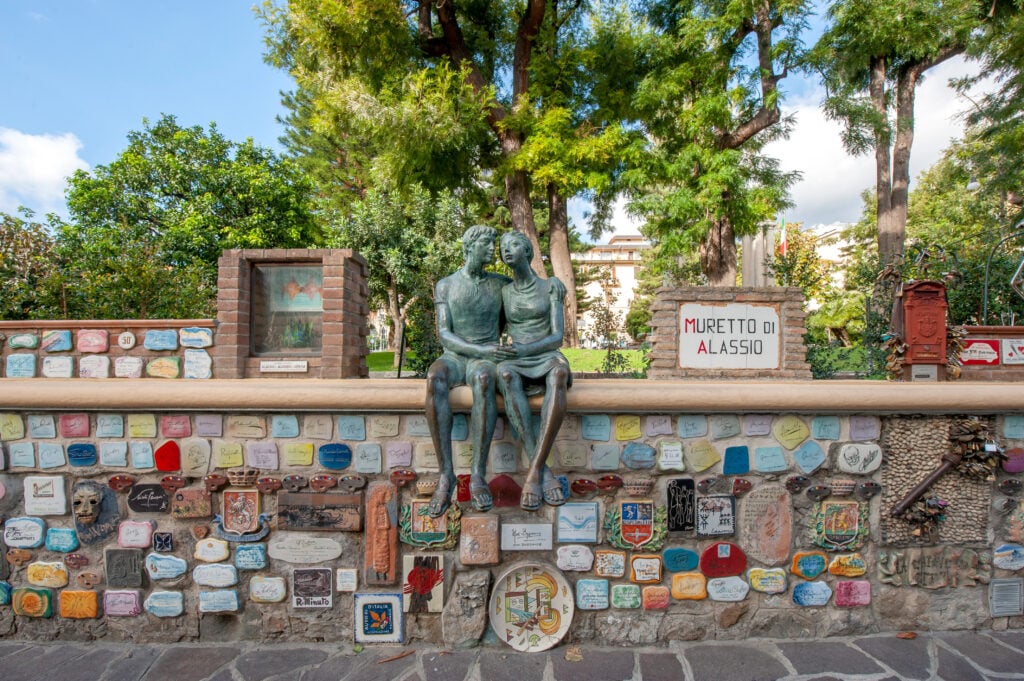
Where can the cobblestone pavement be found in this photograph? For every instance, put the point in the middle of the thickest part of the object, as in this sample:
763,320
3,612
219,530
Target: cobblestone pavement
951,656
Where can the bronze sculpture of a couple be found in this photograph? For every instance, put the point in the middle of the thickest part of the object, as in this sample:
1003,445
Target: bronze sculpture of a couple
473,308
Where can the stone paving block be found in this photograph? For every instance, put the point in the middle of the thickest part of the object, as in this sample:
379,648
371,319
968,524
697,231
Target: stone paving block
88,667
985,652
660,667
823,657
264,663
35,662
952,667
733,663
597,665
192,663
447,667
223,675
11,648
133,664
907,658
1010,638
497,665
362,667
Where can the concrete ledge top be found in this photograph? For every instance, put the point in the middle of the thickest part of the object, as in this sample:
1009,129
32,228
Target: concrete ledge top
586,395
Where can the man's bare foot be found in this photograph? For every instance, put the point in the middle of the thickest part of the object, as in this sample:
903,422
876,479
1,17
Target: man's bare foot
552,490
442,497
481,493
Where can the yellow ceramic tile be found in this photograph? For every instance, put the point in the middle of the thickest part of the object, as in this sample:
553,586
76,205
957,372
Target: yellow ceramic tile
227,454
627,427
79,605
689,586
383,426
298,453
850,565
702,455
11,427
53,575
141,425
790,431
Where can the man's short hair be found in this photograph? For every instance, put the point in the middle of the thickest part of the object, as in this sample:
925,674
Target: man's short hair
474,234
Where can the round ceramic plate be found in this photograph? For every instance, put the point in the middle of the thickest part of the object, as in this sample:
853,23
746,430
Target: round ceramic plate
531,607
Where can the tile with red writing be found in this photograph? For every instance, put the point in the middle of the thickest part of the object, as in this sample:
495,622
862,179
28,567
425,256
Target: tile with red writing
168,456
92,340
723,559
852,593
656,597
74,425
175,426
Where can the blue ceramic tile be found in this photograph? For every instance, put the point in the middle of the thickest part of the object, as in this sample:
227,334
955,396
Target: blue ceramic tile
809,594
825,428
416,426
597,427
5,593
22,455
368,458
114,453
637,455
61,539
251,556
82,454
724,426
678,559
165,604
605,458
195,337
163,566
351,428
737,461
284,425
56,341
142,454
41,426
51,455
692,425
335,456
109,425
161,339
21,365
809,457
769,460
1013,427
592,594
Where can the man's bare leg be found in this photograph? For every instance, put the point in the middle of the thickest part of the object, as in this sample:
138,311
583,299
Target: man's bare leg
439,417
483,417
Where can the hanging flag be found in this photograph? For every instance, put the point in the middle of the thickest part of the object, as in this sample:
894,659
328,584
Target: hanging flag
783,244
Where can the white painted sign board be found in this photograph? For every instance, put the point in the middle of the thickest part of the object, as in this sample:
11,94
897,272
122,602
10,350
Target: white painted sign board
729,336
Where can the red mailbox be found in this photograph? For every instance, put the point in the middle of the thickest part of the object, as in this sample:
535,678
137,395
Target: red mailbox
924,322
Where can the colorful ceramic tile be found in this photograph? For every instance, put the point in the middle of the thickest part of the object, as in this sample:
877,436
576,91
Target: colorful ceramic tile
191,503
850,565
208,425
504,458
724,426
368,458
422,582
575,558
251,556
853,593
40,426
865,428
678,559
657,424
82,454
218,575
246,426
141,454
605,457
715,515
298,453
549,603
767,580
320,512
94,366
655,597
124,567
670,456
526,537
51,455
756,425
639,525
592,594
168,457
859,459
141,425
737,460
626,596
825,427
727,589
692,425
378,618
49,574
578,522
44,495
809,457
30,602
148,498
58,367
292,547
346,580
398,454
596,427
73,425
766,524
227,454
1006,557
135,534
21,365
165,604
689,586
128,367
284,425
212,550
317,426
262,455
109,425
162,566
645,568
638,455
267,589
221,600
56,341
160,339
195,337
681,507
609,563
164,367
627,427
790,431
380,564
175,426
723,559
61,539
27,341
383,425
770,460
163,542
840,525
701,455
352,428
5,593
21,455
78,605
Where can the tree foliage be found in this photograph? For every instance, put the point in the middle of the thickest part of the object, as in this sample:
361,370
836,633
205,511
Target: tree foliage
27,264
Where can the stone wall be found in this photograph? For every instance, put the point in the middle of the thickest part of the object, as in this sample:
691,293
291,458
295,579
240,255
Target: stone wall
770,512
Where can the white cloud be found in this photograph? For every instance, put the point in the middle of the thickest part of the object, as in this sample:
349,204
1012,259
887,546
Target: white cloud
832,179
34,169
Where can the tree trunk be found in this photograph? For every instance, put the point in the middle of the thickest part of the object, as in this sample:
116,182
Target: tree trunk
398,327
517,193
561,260
718,253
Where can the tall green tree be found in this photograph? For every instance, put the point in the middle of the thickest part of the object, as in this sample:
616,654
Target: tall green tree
145,231
410,239
873,56
708,105
27,265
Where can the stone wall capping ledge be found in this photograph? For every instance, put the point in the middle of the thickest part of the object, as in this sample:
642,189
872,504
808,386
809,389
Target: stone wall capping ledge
105,324
587,395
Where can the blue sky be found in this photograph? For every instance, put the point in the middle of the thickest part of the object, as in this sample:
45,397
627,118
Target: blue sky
79,75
